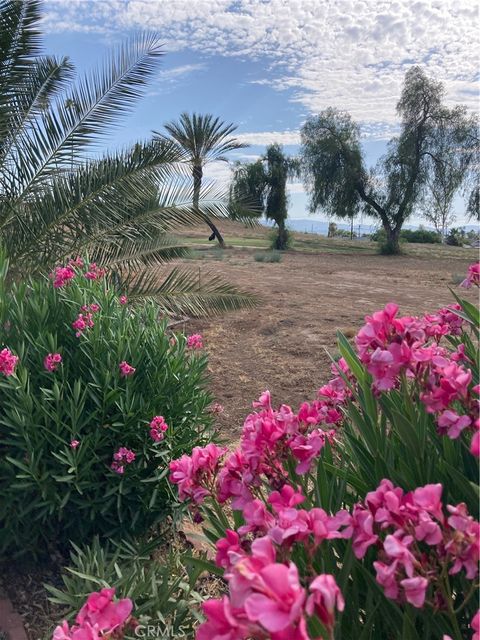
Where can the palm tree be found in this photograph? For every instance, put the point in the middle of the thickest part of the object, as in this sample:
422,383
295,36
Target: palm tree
202,139
119,207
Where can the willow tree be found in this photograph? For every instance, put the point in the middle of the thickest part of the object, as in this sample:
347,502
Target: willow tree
62,194
430,136
201,139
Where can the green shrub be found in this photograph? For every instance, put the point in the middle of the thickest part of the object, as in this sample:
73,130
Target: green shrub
422,236
59,429
284,238
160,589
267,256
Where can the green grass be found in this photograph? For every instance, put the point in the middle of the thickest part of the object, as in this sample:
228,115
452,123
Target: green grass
312,243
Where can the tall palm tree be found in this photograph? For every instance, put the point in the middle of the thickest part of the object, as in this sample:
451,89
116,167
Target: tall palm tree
119,207
202,139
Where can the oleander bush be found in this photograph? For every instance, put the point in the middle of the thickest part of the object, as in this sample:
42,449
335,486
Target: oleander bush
96,397
137,589
357,515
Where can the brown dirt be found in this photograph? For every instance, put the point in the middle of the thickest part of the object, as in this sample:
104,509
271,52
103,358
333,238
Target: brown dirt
282,345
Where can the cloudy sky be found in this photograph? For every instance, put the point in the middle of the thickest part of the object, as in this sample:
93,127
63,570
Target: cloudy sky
268,64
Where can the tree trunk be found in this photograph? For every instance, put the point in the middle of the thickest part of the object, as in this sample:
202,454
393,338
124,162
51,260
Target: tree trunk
281,241
392,243
197,185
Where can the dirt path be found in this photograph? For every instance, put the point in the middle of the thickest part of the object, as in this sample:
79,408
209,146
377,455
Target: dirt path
281,345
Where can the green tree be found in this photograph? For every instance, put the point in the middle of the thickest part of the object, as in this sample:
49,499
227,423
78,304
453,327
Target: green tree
56,201
430,135
201,139
262,185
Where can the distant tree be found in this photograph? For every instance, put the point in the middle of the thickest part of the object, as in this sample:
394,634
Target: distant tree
247,190
201,139
430,136
264,185
473,207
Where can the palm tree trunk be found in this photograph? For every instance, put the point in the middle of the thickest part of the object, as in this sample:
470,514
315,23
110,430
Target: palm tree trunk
197,185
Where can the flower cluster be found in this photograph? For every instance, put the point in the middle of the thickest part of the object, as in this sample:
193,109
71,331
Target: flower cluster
415,540
195,341
84,321
267,600
121,458
100,617
8,362
473,276
123,300
62,276
126,369
195,474
94,272
52,361
407,348
158,426
268,437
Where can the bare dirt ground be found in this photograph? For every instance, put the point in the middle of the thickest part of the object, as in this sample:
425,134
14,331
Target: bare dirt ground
282,345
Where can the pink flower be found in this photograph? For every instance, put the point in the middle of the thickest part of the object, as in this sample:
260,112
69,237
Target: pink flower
76,262
217,408
126,369
62,276
74,444
223,622
228,548
452,424
94,272
158,426
195,341
397,548
101,610
473,276
415,589
8,362
120,458
386,577
123,300
51,361
82,322
276,598
475,444
475,624
324,599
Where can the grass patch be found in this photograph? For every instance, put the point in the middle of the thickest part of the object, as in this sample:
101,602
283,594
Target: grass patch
267,256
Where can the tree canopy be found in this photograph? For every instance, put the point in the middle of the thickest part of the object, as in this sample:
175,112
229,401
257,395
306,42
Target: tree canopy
432,138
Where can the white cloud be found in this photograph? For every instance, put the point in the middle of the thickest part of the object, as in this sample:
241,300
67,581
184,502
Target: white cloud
262,138
351,54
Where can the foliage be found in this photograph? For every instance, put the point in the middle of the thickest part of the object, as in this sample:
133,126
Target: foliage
248,190
354,515
432,138
267,256
264,184
72,421
161,591
200,139
60,197
457,237
421,236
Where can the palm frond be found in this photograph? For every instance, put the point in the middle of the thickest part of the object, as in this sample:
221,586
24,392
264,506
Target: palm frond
57,137
131,255
184,292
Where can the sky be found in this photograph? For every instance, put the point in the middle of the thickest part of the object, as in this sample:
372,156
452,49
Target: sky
267,65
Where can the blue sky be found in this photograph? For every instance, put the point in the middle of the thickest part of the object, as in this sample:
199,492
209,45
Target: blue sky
266,65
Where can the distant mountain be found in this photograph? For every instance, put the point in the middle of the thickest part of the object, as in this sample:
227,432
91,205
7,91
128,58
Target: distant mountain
309,225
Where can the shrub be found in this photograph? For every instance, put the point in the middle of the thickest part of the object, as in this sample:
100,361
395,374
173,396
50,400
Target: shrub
422,236
282,243
267,256
99,401
354,515
160,592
